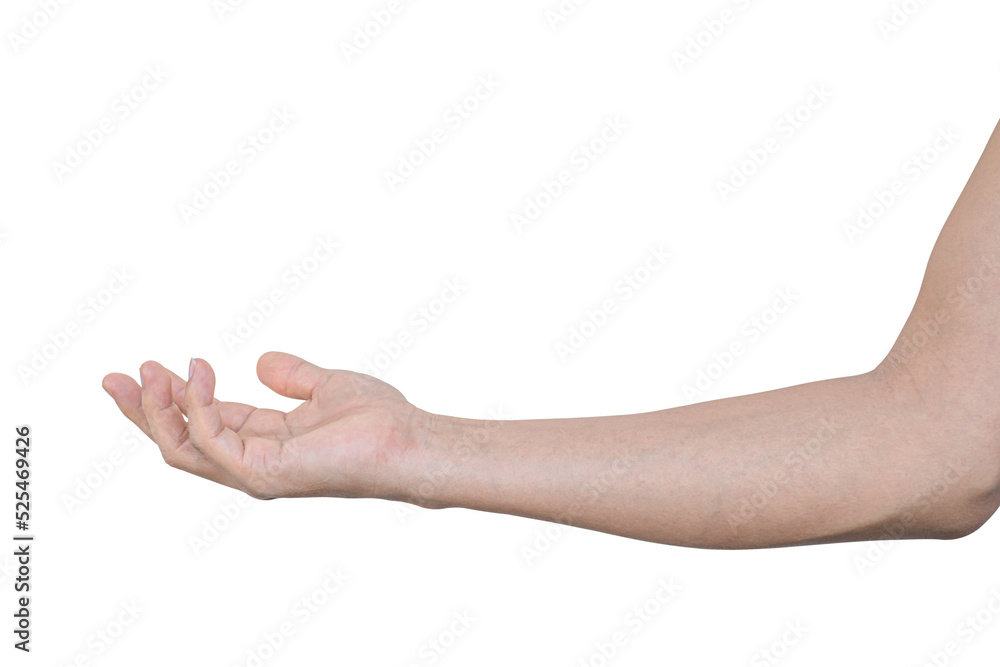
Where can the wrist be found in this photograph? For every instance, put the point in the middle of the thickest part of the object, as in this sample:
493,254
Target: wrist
439,460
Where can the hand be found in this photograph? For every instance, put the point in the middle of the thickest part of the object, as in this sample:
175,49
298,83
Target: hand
347,439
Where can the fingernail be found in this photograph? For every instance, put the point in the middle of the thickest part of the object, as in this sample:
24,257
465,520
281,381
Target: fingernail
142,377
191,369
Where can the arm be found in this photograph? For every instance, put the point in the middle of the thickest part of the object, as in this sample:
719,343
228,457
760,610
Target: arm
910,449
845,459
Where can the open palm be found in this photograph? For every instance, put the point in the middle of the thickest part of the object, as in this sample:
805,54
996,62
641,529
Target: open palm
346,439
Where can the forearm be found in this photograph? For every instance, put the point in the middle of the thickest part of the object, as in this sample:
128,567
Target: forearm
910,449
834,460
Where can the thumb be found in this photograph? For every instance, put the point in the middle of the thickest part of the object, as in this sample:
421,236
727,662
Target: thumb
289,375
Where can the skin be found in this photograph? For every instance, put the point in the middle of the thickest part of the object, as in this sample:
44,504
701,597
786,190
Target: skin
910,449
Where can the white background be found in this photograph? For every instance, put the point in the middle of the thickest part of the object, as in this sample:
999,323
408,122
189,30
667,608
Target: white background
493,351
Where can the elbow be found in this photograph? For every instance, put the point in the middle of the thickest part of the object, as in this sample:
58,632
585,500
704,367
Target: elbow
971,463
951,453
965,491
978,504
961,492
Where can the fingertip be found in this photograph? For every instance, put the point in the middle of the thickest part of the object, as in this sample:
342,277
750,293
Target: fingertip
289,375
116,384
155,386
147,372
108,385
265,361
201,383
